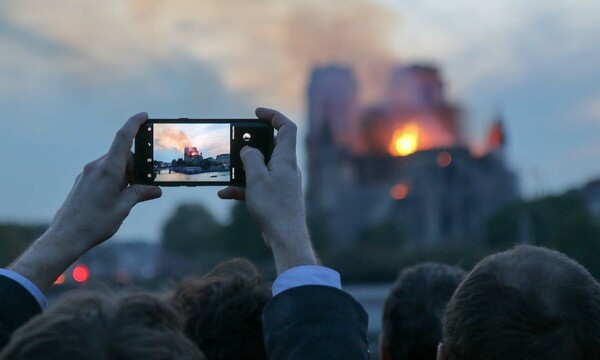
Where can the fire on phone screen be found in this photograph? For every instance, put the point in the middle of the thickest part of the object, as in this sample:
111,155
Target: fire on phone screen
192,152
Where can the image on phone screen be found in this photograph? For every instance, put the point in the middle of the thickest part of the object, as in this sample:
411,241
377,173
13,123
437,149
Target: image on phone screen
192,152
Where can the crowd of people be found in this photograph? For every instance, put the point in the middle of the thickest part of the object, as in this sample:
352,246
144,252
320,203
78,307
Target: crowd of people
524,303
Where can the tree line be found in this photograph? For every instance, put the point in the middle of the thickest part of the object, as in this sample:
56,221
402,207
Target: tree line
192,240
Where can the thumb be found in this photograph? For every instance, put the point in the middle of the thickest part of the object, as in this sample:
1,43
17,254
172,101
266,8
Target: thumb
254,163
138,193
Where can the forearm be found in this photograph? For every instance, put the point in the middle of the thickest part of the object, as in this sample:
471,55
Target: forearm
48,257
291,246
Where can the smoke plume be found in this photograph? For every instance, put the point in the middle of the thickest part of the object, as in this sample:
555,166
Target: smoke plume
168,138
261,49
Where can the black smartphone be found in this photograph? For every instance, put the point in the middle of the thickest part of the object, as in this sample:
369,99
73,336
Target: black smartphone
195,152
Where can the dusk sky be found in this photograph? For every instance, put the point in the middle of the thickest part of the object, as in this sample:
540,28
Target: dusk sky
72,72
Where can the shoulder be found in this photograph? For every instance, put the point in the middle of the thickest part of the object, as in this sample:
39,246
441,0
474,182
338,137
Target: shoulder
313,320
17,306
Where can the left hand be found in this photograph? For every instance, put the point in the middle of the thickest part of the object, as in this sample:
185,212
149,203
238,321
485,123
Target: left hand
103,194
102,197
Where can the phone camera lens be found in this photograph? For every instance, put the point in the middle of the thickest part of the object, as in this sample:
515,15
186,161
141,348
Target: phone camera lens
246,137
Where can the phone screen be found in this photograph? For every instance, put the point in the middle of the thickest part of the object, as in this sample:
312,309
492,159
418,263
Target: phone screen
190,152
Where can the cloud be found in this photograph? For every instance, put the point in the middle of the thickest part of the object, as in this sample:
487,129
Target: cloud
65,118
495,44
262,49
258,46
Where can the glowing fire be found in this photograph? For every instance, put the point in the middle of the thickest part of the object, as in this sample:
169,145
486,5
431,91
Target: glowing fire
192,152
405,140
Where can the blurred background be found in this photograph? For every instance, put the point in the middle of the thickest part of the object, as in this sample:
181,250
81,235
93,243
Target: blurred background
428,130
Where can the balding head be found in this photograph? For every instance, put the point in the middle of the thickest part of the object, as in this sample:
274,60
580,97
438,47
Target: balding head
525,303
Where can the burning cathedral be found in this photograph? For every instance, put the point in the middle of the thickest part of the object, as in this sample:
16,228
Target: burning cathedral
404,160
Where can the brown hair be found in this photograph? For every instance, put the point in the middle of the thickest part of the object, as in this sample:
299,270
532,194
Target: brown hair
96,326
525,303
223,311
412,315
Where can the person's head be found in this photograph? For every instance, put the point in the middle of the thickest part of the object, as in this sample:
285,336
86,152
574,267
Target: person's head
223,311
525,303
98,326
412,315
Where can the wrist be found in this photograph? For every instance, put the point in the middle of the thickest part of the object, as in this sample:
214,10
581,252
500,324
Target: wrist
47,258
67,237
282,233
291,246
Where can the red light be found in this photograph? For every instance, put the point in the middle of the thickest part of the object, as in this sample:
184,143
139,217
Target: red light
60,279
81,273
444,159
399,191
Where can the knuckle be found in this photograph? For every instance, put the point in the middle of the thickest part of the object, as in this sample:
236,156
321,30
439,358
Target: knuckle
88,168
106,169
137,194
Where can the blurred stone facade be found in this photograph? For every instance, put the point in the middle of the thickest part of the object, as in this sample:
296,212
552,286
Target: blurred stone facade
404,160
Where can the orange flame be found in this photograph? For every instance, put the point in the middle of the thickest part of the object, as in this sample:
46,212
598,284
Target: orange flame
405,140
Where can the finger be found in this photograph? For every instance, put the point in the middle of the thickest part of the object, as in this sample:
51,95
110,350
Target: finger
286,129
137,193
277,119
124,138
232,193
254,163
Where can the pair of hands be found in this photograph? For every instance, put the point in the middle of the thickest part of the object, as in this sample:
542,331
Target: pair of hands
103,195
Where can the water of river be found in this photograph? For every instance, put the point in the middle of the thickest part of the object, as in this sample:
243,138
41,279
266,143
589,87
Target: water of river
206,176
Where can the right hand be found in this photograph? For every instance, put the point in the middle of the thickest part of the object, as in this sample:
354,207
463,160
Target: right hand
274,194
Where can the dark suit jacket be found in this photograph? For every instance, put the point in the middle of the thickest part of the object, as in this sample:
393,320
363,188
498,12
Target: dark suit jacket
315,322
17,306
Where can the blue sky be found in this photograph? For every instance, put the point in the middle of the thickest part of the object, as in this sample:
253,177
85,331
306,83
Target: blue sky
72,72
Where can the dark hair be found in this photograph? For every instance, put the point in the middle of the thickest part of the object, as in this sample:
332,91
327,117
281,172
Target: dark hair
223,311
412,316
96,326
525,303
